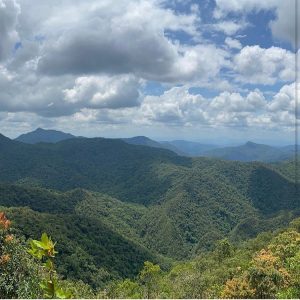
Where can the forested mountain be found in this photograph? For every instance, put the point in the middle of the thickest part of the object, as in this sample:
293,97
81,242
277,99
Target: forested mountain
261,268
44,136
153,203
252,152
247,152
266,267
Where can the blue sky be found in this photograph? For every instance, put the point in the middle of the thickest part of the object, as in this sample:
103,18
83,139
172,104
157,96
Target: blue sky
218,71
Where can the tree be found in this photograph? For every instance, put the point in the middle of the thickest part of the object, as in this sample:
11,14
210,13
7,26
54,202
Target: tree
149,279
267,275
223,250
238,288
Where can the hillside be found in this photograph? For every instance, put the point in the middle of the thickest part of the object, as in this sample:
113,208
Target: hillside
252,152
266,267
44,136
182,205
90,249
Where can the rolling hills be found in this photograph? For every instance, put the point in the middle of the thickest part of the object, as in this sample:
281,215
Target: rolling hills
150,201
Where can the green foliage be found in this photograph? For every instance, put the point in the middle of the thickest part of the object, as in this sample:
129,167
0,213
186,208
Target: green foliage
88,249
149,280
45,249
148,284
223,250
22,276
19,274
265,267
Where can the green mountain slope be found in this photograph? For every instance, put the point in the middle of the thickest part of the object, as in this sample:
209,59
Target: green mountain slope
90,249
266,267
175,206
109,166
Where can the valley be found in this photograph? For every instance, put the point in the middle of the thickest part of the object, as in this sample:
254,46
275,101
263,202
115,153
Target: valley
113,205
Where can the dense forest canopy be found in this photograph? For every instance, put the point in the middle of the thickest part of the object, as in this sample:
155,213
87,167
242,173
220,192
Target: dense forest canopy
112,206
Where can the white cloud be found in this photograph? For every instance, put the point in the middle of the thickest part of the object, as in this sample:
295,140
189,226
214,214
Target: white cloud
83,62
65,95
126,37
235,102
233,43
200,63
178,106
103,92
257,65
284,100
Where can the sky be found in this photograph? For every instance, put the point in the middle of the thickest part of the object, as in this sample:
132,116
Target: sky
219,71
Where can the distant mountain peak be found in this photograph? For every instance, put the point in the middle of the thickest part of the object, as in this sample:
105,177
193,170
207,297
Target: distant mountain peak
41,135
249,143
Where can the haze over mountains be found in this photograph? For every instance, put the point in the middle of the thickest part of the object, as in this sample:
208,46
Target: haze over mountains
247,152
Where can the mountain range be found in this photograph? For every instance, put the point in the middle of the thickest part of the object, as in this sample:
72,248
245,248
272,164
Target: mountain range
138,202
247,152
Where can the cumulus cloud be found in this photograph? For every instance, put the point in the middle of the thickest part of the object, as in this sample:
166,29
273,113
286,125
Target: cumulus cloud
9,11
233,43
127,37
235,102
103,92
285,99
53,96
264,66
86,62
178,106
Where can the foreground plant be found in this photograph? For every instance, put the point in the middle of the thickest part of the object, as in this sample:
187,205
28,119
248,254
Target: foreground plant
44,250
19,275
